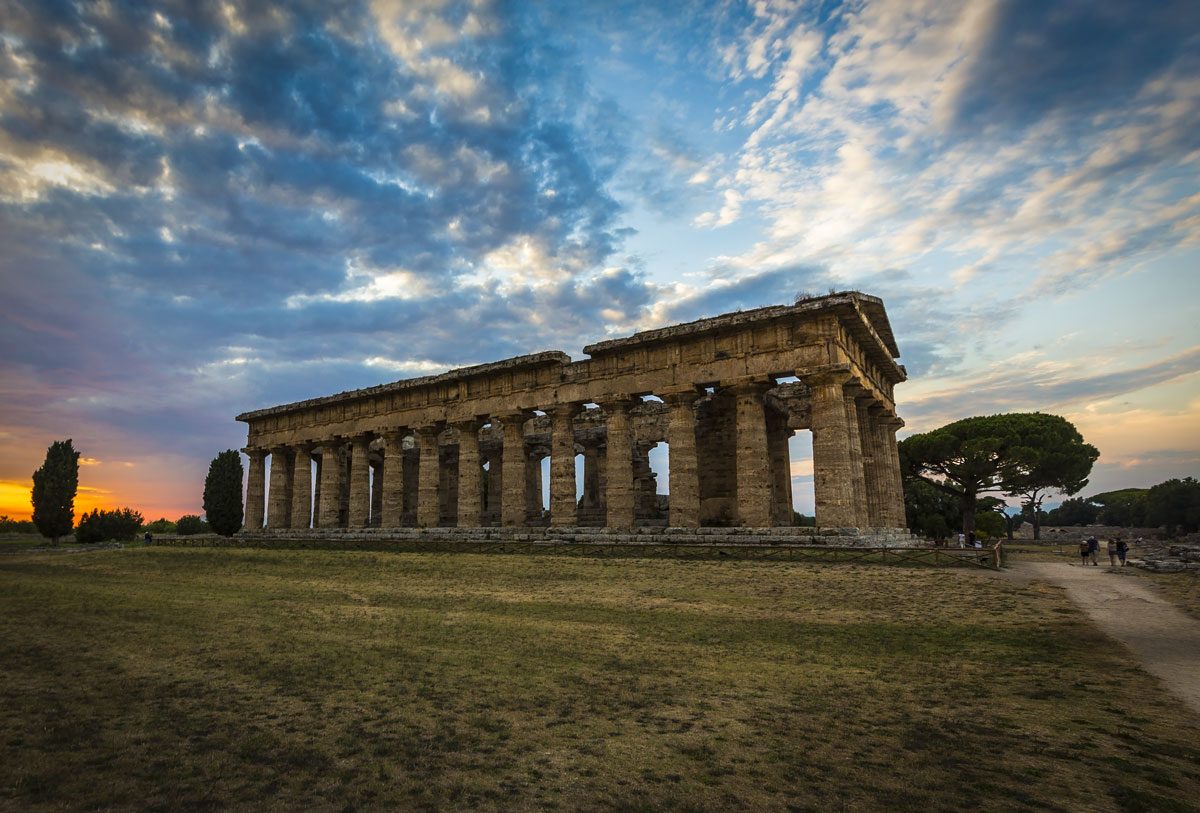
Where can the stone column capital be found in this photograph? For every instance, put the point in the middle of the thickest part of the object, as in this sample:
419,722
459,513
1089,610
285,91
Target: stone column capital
431,430
616,403
514,415
681,397
838,375
565,410
254,452
750,386
468,424
394,434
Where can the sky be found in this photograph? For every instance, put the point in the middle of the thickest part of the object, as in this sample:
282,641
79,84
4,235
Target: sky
216,207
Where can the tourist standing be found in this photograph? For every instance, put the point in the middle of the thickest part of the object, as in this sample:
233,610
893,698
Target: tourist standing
1093,549
1085,547
1122,551
1111,550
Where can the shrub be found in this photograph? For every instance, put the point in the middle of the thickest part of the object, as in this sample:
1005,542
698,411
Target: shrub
190,524
121,524
160,526
8,525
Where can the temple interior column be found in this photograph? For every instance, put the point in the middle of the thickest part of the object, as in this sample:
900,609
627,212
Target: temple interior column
591,477
874,484
469,474
429,477
255,488
684,478
778,435
302,487
377,494
331,481
393,480
752,459
533,487
892,507
343,491
279,504
833,485
857,474
360,482
513,501
618,472
562,464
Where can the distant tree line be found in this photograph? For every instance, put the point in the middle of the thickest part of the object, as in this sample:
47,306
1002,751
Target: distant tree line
1172,504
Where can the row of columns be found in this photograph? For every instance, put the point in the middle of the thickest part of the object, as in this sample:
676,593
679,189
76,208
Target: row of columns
856,467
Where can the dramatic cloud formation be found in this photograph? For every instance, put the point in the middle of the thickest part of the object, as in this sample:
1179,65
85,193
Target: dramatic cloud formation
206,208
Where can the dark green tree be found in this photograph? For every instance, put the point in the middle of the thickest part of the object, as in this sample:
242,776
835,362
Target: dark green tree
54,487
223,493
190,524
1075,511
1175,504
159,526
1126,508
120,524
929,512
1049,457
973,456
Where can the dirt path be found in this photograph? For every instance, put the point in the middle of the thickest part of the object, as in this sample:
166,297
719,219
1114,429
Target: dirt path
1165,639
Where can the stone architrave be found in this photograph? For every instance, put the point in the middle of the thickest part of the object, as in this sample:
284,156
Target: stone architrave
255,488
301,486
331,483
684,481
429,478
833,468
754,488
513,499
619,489
393,479
562,464
360,482
470,474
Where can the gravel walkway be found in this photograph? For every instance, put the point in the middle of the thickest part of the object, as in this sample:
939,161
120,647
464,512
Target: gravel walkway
1165,639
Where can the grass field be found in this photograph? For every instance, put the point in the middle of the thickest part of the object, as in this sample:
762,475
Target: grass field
161,678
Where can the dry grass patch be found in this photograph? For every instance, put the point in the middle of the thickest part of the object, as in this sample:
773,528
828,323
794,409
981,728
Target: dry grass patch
161,678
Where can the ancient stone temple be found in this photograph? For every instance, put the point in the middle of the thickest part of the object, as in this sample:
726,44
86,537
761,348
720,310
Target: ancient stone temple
465,448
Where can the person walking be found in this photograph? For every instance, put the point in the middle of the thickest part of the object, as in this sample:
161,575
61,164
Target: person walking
1093,549
1085,547
1111,550
1122,551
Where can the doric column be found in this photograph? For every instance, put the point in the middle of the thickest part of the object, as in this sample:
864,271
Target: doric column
331,483
619,464
873,483
302,486
429,477
778,434
469,474
513,463
255,488
279,500
833,484
562,464
393,479
533,487
892,506
684,484
360,481
752,457
862,517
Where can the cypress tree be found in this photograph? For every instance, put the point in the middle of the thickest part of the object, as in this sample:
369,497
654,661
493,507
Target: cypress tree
223,493
54,487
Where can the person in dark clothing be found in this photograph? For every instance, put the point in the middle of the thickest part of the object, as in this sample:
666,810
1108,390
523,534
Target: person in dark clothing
1085,547
1122,551
1093,549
